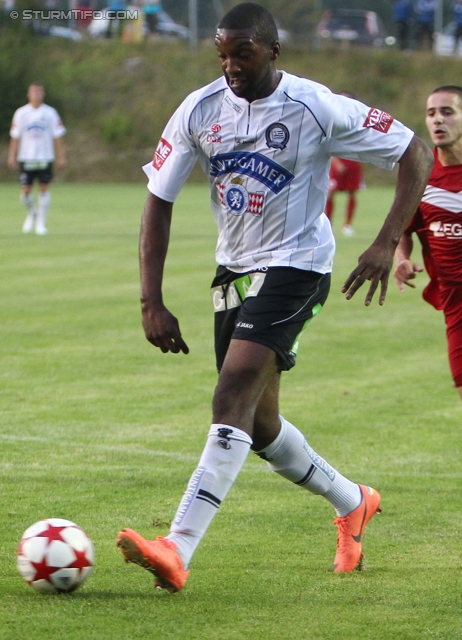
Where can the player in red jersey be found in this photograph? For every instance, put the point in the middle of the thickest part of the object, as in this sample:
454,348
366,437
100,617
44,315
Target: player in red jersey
438,223
345,176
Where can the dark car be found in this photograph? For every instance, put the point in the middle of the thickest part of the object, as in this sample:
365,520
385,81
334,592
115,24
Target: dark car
352,26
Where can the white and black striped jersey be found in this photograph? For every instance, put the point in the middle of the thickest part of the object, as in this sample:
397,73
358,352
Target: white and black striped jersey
268,165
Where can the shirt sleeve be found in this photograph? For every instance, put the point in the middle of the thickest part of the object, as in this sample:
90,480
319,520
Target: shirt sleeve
15,130
174,157
358,132
58,128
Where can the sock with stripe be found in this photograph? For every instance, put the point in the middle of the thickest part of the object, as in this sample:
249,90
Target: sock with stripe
222,459
291,456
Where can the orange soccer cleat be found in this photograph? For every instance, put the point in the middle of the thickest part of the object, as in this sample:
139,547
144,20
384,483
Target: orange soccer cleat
159,556
351,530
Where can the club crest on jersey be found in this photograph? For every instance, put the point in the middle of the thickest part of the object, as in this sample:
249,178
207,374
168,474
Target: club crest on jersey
378,120
255,201
164,149
236,199
277,136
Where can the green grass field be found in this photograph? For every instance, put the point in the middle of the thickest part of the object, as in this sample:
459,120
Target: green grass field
99,427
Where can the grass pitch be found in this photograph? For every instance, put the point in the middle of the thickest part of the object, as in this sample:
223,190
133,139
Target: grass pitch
99,427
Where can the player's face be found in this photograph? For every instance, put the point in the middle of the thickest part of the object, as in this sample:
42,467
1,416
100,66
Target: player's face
35,94
247,63
444,118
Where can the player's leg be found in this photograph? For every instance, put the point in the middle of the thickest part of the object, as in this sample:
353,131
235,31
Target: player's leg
290,455
329,208
453,317
349,214
44,200
27,198
247,369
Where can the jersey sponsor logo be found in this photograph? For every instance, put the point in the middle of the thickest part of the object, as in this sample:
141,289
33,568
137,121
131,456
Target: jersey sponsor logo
164,149
233,105
254,165
213,138
255,203
277,136
378,120
446,229
36,129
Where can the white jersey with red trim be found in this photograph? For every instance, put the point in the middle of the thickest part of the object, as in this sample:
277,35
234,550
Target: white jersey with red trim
268,166
36,130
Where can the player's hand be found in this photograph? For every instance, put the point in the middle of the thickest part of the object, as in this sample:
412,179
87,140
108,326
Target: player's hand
405,271
162,329
13,163
374,265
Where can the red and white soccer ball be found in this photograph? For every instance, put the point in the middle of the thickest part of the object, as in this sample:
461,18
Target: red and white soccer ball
55,556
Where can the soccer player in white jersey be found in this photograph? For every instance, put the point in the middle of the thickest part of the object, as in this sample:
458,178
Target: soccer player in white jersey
438,223
265,139
35,140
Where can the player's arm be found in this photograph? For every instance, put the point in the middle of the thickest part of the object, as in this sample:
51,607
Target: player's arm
60,152
376,262
405,268
160,326
13,153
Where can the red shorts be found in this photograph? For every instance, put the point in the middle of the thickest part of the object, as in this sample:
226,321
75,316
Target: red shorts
349,180
452,306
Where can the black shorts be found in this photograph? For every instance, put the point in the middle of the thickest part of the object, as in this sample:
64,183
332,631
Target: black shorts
28,176
270,306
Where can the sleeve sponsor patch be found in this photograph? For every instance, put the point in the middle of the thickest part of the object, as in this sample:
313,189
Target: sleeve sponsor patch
378,120
164,149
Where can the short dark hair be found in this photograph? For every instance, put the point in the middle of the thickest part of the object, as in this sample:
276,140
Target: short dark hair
249,15
448,88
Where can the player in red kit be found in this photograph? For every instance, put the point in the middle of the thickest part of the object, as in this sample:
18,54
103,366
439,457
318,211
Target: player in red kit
438,223
345,176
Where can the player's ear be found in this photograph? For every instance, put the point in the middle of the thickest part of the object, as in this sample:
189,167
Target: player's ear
275,50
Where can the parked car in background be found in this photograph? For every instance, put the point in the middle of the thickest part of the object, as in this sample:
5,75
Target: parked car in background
352,26
166,26
444,43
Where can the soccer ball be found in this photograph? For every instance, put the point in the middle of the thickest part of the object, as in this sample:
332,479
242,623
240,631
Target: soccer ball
55,556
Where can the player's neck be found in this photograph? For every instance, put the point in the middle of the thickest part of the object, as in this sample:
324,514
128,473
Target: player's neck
36,105
449,156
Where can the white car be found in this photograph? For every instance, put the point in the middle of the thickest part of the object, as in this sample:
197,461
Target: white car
165,25
444,42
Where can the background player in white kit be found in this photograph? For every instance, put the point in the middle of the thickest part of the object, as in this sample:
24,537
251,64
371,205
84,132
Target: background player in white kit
265,139
35,140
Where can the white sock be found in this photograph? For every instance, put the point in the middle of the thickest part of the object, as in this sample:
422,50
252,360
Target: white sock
28,201
43,206
292,457
224,454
